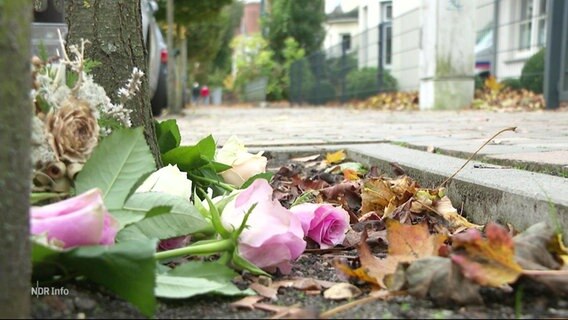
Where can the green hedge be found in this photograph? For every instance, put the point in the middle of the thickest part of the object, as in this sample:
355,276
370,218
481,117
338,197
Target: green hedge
532,75
363,83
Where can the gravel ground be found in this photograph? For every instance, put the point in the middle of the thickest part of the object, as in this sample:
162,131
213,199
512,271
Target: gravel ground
89,301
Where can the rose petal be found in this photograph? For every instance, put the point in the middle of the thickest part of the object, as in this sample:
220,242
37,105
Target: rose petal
77,221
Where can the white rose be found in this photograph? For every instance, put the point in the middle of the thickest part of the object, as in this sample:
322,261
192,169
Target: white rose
244,164
168,179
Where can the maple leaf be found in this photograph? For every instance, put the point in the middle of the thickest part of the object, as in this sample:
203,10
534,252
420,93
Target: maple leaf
380,193
335,157
488,261
406,243
350,174
492,84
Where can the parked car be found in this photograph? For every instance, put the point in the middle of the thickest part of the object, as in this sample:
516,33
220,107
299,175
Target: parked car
484,53
49,16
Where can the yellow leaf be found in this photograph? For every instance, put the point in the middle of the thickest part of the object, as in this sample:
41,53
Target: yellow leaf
488,261
493,84
350,174
335,157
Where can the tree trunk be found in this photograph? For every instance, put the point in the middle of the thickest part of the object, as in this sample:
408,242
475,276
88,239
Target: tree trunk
15,162
114,29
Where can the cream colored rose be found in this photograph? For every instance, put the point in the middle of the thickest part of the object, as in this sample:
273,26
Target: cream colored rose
72,130
168,179
244,164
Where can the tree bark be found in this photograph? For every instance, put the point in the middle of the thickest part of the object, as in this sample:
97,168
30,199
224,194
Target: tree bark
114,29
15,162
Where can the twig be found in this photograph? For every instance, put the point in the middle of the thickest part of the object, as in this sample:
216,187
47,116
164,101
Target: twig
473,155
344,307
545,272
347,306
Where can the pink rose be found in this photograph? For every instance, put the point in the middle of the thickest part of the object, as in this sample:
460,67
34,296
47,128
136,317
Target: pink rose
274,236
323,223
173,243
79,221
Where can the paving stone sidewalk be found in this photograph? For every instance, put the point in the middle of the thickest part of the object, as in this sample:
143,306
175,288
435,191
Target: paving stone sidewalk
540,140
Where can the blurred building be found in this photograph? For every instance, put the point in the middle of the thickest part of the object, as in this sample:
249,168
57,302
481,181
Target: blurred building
341,25
250,21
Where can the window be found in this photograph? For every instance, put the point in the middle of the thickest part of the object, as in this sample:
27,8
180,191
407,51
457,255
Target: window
386,10
346,41
386,36
532,24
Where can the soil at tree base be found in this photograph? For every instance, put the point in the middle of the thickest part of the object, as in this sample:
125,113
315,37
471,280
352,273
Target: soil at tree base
90,301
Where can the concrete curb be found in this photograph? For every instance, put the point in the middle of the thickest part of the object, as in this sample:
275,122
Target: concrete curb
505,195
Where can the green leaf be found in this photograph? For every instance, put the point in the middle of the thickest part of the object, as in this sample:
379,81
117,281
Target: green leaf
192,157
168,135
355,166
265,175
116,165
195,278
187,158
219,167
183,218
127,269
247,265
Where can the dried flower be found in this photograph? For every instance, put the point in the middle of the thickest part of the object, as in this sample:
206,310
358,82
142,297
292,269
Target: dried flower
73,130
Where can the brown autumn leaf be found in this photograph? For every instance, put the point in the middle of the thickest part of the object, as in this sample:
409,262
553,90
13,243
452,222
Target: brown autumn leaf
437,279
488,261
246,302
350,175
413,241
376,195
384,195
406,243
267,292
456,222
335,157
540,248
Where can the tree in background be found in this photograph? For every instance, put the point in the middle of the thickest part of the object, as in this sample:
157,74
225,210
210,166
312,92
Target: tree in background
254,60
299,19
208,28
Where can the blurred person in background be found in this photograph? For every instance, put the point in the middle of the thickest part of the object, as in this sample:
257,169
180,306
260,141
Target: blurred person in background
195,93
205,95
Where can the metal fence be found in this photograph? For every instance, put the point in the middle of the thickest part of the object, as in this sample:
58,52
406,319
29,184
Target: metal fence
387,57
352,69
508,36
255,91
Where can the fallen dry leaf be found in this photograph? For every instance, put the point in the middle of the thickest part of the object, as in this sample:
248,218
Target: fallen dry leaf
456,221
335,157
342,291
406,243
246,302
436,278
267,292
540,248
488,261
412,241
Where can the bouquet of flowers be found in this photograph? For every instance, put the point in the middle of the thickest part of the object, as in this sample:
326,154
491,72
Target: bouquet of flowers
72,113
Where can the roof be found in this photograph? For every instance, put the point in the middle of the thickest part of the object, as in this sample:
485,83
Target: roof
338,14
